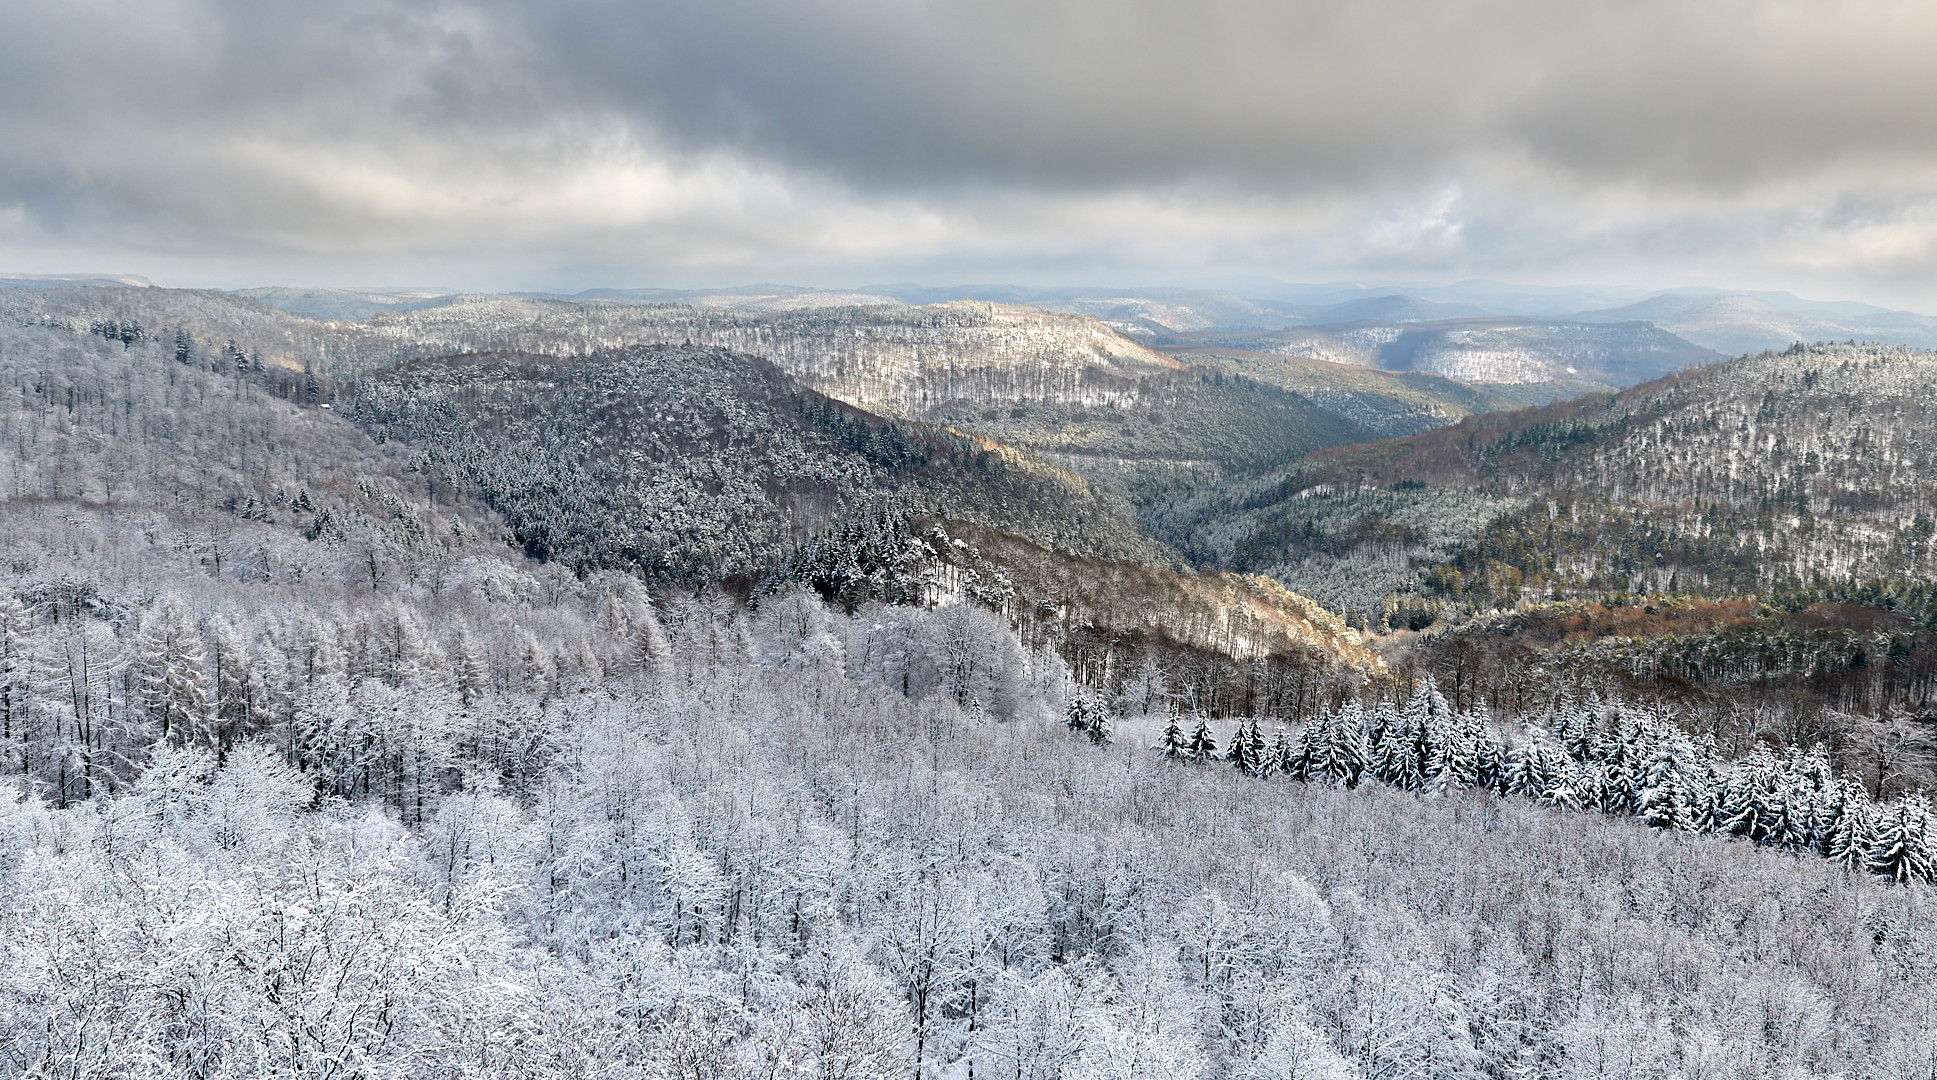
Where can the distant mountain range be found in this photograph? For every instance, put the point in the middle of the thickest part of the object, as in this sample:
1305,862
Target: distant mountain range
1475,332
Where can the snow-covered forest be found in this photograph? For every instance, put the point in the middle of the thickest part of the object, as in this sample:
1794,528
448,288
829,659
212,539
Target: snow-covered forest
311,762
751,854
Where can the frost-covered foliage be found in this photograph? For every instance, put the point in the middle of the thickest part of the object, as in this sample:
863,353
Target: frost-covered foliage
1615,759
195,458
787,869
1814,464
1058,384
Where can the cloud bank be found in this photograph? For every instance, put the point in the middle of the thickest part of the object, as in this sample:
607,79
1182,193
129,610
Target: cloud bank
508,145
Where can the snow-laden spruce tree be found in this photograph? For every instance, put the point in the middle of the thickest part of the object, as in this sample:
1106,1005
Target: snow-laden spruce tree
1171,741
1203,743
1900,850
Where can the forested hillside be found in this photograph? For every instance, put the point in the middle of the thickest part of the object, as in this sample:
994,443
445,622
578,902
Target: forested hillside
695,464
1805,469
1559,357
1800,480
1388,404
1060,384
412,733
1063,385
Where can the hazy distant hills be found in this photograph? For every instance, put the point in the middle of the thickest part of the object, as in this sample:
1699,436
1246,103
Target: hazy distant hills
343,305
1571,357
1475,332
1737,323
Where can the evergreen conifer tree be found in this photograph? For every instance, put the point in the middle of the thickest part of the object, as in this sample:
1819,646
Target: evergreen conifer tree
1900,850
1526,767
1579,730
1309,753
1101,724
1203,744
1076,709
1171,742
1564,783
1246,748
1666,805
1850,830
1283,754
1346,751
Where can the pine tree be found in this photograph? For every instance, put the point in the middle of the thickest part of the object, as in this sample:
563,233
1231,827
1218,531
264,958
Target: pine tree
1241,753
1389,755
1901,849
1085,712
1488,753
1459,752
1705,786
1171,743
1257,750
1308,755
1741,809
1076,710
1567,785
1666,805
1523,769
1384,716
1580,730
1791,813
1346,751
1283,754
1203,744
1850,833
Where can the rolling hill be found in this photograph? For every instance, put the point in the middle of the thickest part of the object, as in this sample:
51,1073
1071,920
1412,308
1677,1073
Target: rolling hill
1737,323
1564,357
1778,471
1064,385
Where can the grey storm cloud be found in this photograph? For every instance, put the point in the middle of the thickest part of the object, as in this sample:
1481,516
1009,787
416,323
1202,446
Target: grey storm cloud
1086,92
858,130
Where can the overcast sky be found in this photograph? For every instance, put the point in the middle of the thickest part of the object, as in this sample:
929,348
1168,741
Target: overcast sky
705,142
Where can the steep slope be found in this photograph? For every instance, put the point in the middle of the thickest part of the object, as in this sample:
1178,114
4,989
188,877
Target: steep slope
696,464
1246,639
1387,404
1064,385
196,465
1810,468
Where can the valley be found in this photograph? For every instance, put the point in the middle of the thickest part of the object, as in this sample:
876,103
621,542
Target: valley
844,684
